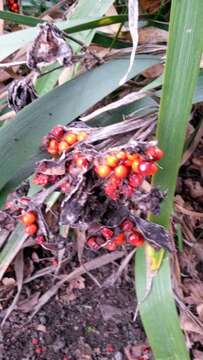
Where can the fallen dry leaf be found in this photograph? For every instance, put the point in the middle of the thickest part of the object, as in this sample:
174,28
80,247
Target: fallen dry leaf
152,35
151,6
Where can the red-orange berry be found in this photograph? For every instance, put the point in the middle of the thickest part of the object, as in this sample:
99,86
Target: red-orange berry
127,225
28,218
135,165
112,161
128,163
31,229
121,171
103,171
153,168
143,168
58,132
81,136
70,138
63,146
53,144
53,147
111,246
133,239
119,239
154,153
121,155
92,243
130,157
136,239
107,233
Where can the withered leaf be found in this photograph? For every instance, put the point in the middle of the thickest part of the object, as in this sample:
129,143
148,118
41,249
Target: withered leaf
72,206
20,94
49,47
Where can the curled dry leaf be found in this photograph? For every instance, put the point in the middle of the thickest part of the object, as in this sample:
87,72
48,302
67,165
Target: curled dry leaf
49,47
20,94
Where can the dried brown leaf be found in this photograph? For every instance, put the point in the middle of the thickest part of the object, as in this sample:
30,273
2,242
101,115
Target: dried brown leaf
151,6
152,35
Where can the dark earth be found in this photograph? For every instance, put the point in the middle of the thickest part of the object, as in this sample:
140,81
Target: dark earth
89,322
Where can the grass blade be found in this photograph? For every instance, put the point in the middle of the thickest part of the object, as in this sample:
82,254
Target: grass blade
86,24
158,311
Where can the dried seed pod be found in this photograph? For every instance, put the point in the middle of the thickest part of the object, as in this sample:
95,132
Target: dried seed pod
20,94
49,47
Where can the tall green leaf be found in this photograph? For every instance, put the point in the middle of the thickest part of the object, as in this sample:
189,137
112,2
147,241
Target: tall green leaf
158,311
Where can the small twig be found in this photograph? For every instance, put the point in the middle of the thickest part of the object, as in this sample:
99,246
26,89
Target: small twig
50,71
83,46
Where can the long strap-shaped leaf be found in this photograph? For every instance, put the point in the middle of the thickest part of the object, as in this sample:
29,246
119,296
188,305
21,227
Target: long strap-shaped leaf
158,311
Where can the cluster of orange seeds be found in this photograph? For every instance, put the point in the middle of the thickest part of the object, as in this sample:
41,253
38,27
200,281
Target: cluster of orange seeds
124,171
13,5
108,239
60,140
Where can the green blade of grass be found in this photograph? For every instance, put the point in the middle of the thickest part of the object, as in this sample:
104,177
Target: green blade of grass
85,24
20,19
158,311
